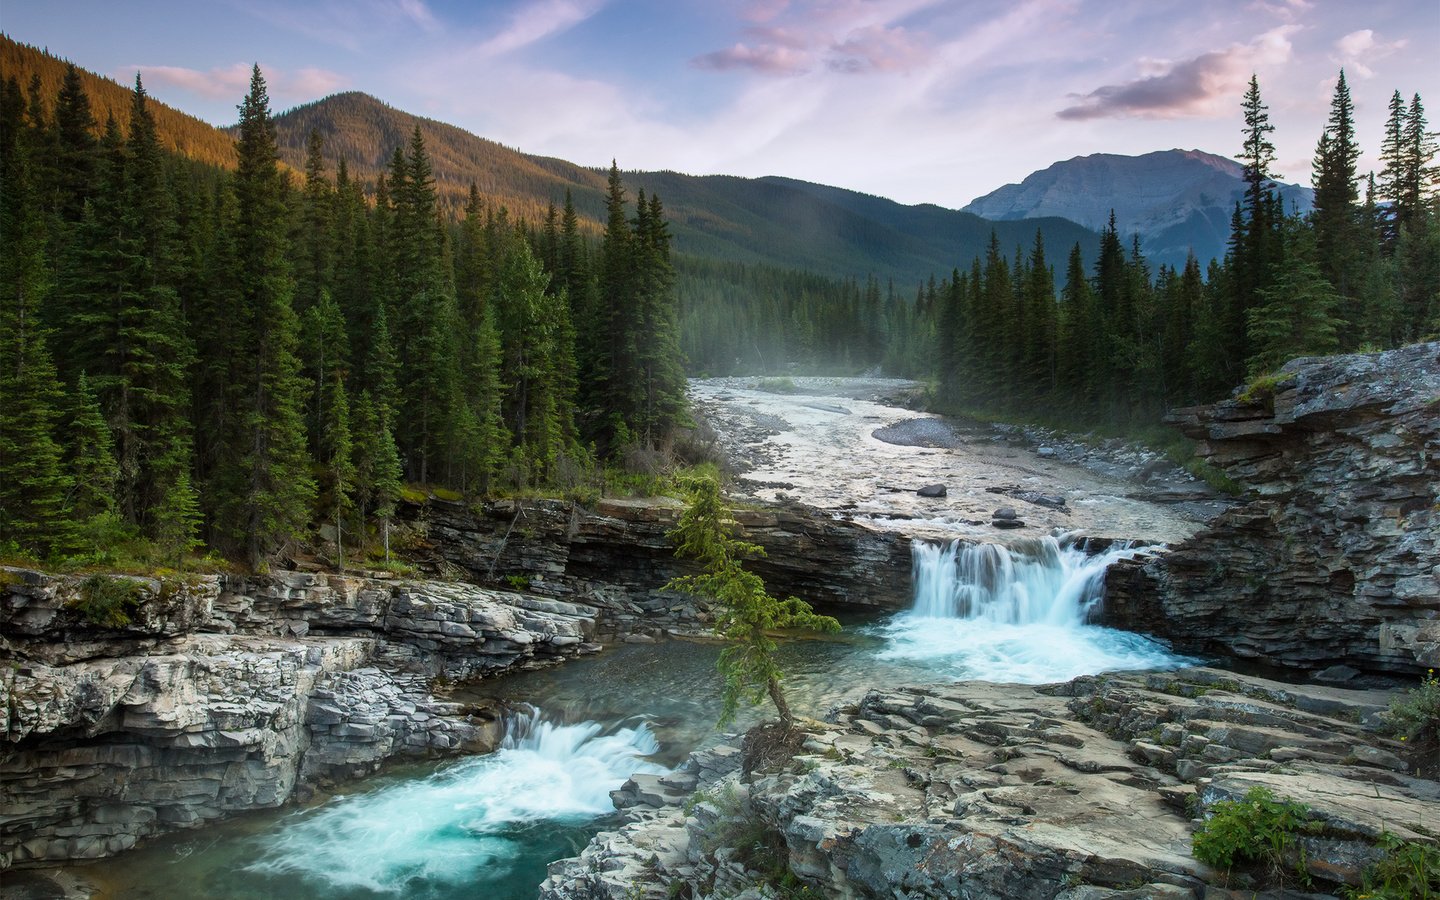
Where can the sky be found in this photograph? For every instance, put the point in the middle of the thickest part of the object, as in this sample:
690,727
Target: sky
921,101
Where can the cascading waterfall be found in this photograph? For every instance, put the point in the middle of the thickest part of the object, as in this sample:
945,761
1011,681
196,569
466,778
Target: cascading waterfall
1017,613
1030,583
466,823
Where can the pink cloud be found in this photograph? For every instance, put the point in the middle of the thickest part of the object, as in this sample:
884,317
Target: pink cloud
1193,87
878,49
781,37
1358,49
766,59
764,10
213,84
233,81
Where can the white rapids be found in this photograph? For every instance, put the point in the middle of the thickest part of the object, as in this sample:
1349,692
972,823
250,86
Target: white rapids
459,822
1016,613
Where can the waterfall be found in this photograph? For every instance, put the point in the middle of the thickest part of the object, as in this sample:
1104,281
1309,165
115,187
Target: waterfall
1016,614
473,817
1030,583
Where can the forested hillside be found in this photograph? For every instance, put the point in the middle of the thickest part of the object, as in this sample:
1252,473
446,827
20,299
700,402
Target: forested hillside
37,70
1125,342
194,356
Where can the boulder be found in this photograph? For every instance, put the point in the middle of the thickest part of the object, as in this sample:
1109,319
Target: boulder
932,490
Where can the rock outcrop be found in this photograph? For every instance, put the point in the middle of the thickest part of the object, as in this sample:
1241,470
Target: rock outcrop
1086,790
201,697
1335,556
618,556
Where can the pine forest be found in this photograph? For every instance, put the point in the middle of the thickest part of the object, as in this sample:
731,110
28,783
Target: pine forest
200,358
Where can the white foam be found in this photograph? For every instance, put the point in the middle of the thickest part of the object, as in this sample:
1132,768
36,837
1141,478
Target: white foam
450,826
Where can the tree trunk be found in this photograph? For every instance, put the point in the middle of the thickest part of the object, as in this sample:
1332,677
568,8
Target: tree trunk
787,718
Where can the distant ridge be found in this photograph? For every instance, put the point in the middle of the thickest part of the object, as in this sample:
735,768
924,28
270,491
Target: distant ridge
179,132
772,221
1176,200
778,222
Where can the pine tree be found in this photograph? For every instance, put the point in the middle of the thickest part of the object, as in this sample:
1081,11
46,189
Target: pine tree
155,373
426,316
377,466
314,257
33,485
1393,173
1296,317
745,612
1339,239
337,459
263,498
90,456
75,128
660,369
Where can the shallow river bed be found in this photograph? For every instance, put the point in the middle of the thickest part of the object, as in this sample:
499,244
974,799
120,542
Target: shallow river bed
488,826
816,445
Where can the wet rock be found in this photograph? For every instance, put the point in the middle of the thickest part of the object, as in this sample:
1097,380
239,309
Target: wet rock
1005,512
932,490
1331,560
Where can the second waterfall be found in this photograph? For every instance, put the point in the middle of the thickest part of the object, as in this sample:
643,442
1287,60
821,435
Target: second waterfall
1014,613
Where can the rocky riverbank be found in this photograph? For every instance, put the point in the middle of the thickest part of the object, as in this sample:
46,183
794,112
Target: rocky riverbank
1334,557
136,706
1085,790
617,555
197,698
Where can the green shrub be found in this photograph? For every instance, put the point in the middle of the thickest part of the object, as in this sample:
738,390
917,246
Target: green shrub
1259,829
1263,388
1415,715
107,601
518,582
776,385
1407,871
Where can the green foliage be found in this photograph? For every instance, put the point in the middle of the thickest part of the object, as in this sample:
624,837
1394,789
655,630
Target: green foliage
776,385
1263,387
1414,716
106,600
745,613
1409,870
1259,829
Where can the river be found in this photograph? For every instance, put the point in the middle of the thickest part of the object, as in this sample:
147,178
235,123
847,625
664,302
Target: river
487,826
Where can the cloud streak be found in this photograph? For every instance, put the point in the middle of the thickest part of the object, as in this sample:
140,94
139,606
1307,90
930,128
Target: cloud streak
1195,87
1358,50
233,81
346,23
535,22
767,59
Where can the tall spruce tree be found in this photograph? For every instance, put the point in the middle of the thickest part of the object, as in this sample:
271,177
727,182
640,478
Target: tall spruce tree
1339,237
264,493
34,487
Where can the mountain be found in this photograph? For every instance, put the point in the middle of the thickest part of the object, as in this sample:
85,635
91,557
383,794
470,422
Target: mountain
779,222
774,221
1176,200
179,132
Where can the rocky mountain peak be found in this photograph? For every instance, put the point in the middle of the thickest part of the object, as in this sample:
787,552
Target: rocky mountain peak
1178,201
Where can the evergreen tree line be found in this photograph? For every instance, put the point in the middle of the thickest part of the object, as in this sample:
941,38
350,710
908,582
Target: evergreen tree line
1123,344
192,356
747,318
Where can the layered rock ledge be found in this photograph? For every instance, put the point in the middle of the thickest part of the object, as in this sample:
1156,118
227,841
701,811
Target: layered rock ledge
618,556
1334,558
224,694
1082,791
